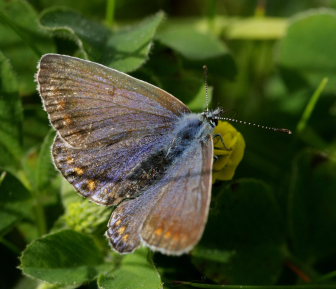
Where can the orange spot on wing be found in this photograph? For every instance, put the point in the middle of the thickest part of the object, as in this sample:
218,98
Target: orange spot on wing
79,171
125,238
167,234
70,160
122,230
91,185
61,104
111,91
67,120
118,222
158,231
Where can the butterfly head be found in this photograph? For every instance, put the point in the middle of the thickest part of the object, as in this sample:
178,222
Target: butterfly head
212,116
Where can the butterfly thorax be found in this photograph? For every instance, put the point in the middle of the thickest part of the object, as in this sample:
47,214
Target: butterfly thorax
190,129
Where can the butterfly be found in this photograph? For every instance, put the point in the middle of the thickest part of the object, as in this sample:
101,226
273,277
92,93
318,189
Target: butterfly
126,143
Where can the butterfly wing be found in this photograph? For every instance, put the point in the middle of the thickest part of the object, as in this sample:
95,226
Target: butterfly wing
92,105
107,123
105,174
170,217
177,221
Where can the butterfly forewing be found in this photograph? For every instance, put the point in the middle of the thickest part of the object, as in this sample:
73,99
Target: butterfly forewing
91,105
107,123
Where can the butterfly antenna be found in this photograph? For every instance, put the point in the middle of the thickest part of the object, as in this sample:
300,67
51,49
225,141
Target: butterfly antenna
205,69
283,130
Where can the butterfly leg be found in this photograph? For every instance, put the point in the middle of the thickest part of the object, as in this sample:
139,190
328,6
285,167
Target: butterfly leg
222,140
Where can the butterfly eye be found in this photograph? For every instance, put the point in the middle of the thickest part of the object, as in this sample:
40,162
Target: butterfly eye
213,122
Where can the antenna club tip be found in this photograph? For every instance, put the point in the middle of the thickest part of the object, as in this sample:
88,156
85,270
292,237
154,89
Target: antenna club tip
285,130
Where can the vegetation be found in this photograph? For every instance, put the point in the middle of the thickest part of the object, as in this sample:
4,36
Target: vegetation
270,62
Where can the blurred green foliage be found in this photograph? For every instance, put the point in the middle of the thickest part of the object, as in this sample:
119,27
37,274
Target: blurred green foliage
273,224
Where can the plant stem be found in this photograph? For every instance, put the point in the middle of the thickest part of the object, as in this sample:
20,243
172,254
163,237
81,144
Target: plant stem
212,5
110,7
261,8
311,105
40,217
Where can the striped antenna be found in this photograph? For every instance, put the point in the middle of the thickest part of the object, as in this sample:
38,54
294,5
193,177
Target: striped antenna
283,130
205,68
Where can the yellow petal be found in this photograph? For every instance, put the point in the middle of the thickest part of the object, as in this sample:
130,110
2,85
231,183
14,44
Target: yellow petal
229,151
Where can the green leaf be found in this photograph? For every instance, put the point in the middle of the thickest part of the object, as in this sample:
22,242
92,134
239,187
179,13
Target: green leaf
10,116
312,206
243,240
45,170
307,54
45,285
247,213
125,50
22,40
135,271
128,49
65,257
190,42
90,37
15,201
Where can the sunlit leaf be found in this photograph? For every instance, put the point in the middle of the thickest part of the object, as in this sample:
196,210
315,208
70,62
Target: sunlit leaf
125,49
135,271
65,257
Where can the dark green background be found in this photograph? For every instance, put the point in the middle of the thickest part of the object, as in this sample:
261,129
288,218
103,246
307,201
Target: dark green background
270,62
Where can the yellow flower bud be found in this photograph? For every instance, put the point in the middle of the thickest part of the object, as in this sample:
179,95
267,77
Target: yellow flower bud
228,154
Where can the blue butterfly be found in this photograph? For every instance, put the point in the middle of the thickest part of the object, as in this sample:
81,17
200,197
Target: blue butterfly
126,143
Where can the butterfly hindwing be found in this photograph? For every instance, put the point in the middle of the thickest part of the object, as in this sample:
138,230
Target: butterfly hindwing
176,230
170,216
